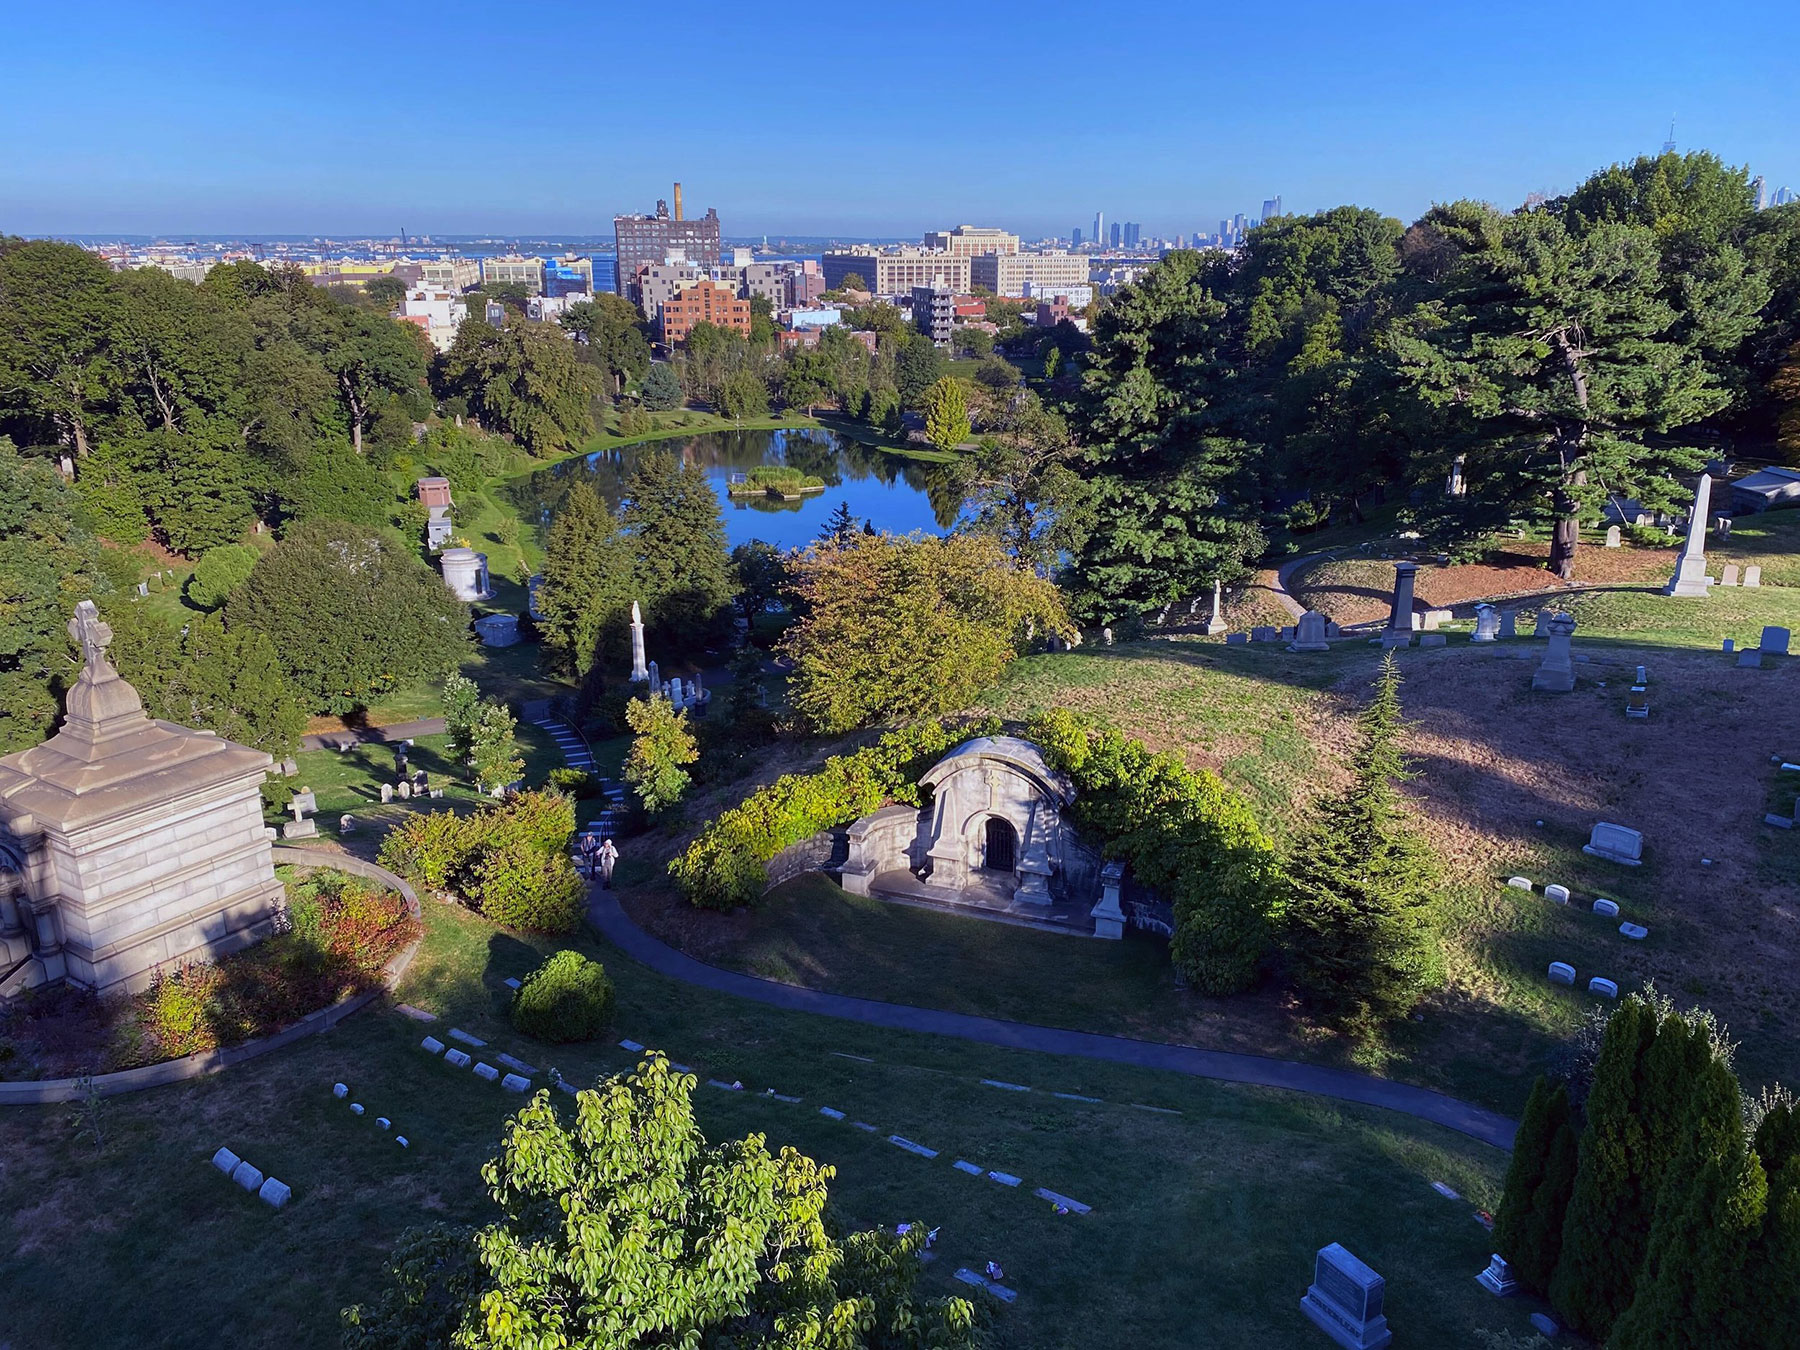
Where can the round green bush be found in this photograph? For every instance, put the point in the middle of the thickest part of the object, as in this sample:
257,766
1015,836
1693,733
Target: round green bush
567,998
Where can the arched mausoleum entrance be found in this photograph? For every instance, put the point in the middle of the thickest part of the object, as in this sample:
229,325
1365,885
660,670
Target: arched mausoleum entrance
999,845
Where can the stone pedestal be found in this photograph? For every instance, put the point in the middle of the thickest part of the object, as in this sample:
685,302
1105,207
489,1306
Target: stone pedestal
130,843
1400,622
1109,918
1557,674
1498,1279
1690,566
1216,623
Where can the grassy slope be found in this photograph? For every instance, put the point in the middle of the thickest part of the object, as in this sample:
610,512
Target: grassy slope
1215,1234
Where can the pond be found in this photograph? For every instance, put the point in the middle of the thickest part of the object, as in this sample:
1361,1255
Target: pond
894,492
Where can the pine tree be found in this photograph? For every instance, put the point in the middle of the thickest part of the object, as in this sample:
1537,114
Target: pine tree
1363,912
1528,1225
1691,1292
1604,1230
681,569
586,595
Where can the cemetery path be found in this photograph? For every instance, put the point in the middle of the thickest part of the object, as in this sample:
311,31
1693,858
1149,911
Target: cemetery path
1225,1066
398,731
1285,573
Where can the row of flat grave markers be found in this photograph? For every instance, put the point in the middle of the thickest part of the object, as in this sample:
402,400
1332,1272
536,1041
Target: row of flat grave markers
267,1189
1606,909
461,1059
342,1092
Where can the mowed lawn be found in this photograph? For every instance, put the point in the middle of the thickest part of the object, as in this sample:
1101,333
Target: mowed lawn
1206,1210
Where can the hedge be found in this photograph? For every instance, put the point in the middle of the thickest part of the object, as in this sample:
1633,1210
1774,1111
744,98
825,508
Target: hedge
1184,833
724,867
509,860
567,998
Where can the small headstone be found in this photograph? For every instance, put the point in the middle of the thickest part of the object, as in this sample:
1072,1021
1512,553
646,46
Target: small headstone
304,803
403,790
437,792
1636,932
517,1065
1615,843
1750,659
962,1165
1753,576
1447,1192
226,1161
513,1083
512,982
911,1147
421,780
457,1034
1487,624
1309,633
1106,636
1637,702
1542,627
1561,972
1558,895
486,1071
340,1091
1774,641
1345,1299
143,589
290,768
1779,822
1607,908
300,829
830,1113
632,1046
1434,640
1728,575
1604,988
387,792
384,1122
346,825
457,1059
1287,632
1557,674
1519,883
356,1108
274,1193
403,1141
1612,536
248,1177
1509,623
1236,639
1263,633
1063,1201
1498,1279
432,1045
1004,1178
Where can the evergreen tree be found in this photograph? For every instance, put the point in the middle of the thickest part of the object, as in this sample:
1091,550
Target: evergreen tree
840,526
586,593
680,566
1363,914
947,414
1528,1224
662,388
203,674
1692,1292
1609,1213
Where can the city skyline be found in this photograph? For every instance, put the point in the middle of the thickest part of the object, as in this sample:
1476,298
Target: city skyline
189,122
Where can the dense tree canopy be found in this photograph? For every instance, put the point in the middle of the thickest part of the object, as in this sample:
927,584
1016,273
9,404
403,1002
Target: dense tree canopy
523,378
907,627
353,614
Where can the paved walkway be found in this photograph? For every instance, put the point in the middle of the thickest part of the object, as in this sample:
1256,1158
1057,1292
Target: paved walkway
1225,1066
399,731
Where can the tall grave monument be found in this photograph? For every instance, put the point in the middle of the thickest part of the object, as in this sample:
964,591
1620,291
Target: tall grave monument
1690,566
127,843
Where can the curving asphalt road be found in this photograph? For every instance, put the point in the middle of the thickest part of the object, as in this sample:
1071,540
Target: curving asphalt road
1421,1103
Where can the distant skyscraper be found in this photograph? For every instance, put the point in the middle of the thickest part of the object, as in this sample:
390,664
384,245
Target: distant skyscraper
1759,191
1116,235
1669,145
1783,196
1099,229
1271,209
1132,234
1075,237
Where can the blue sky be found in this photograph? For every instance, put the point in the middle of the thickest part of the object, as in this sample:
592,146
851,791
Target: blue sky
854,118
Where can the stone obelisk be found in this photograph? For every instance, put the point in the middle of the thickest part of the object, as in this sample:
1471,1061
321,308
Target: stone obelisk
1690,567
639,671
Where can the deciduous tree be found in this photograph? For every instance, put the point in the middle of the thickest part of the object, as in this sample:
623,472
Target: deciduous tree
661,747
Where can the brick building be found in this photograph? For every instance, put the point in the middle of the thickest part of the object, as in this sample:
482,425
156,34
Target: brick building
703,302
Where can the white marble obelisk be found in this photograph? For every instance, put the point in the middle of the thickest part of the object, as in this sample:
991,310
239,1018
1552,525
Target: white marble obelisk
1690,567
639,672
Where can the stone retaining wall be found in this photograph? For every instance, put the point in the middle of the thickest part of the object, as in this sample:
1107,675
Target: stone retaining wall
39,1091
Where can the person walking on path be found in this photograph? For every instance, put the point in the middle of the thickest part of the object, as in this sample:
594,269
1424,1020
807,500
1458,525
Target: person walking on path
584,855
608,856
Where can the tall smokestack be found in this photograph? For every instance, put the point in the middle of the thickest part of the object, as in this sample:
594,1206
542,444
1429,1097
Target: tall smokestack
678,201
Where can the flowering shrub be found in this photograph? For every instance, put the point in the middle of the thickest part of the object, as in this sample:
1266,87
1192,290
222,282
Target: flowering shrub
723,868
341,932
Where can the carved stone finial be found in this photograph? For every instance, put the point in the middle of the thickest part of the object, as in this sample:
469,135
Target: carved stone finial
94,635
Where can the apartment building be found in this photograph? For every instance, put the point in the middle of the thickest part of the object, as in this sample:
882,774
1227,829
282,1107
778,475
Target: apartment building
644,240
703,302
897,271
1009,274
971,241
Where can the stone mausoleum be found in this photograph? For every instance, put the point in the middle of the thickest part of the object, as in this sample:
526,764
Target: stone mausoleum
994,838
127,843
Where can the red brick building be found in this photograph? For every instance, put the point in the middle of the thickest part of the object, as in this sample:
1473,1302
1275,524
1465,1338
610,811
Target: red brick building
703,302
